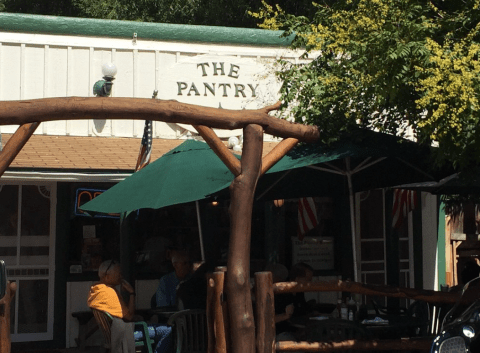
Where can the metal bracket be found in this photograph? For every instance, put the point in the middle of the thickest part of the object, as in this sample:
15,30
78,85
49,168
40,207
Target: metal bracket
134,39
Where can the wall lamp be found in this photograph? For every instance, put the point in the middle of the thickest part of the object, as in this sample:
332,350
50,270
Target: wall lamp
103,88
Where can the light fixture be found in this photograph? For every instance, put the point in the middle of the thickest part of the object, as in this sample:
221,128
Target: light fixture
233,141
103,88
279,202
214,203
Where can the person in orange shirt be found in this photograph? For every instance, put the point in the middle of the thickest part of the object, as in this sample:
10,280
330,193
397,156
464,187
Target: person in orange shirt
105,297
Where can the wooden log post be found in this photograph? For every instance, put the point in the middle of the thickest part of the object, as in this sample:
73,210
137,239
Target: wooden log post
242,190
264,312
210,313
5,341
218,325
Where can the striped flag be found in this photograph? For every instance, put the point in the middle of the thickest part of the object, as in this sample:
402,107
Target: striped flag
307,216
404,201
145,146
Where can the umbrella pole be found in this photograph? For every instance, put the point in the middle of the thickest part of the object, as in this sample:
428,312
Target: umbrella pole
352,220
200,236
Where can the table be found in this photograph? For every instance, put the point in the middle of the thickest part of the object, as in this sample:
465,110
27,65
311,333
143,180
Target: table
163,313
395,327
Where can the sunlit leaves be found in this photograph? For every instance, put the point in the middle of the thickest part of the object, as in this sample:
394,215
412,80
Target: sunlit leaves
391,65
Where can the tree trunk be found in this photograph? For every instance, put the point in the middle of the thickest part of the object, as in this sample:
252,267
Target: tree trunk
239,299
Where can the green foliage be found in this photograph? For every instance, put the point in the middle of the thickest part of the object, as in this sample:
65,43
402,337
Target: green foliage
393,65
46,7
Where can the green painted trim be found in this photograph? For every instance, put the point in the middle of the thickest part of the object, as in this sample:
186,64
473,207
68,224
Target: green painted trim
441,268
12,22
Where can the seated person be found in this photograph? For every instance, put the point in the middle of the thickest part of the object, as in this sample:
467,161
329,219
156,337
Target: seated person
105,297
301,273
167,288
192,293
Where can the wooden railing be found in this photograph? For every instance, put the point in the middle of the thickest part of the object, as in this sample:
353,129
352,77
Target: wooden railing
265,290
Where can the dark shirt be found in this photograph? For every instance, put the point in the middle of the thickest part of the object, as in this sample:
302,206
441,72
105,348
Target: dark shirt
192,293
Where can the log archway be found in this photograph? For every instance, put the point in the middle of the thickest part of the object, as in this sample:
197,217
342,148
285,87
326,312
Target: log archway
30,113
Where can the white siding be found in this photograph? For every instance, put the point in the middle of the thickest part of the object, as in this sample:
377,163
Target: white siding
39,66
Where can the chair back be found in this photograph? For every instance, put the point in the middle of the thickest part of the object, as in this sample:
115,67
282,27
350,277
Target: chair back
104,322
190,331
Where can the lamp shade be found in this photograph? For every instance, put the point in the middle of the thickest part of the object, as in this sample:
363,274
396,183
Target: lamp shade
109,70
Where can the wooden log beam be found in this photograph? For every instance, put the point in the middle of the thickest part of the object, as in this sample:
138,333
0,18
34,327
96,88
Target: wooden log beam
15,145
71,108
242,190
428,296
277,153
227,157
403,344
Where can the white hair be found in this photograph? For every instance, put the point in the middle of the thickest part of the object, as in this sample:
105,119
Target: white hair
104,266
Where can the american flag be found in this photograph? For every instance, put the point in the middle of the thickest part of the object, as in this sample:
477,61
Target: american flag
404,201
145,147
307,216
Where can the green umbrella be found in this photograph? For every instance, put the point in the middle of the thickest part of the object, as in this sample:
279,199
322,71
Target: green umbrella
359,161
189,172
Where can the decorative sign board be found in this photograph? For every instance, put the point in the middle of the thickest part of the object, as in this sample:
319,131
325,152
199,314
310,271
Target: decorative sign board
218,81
317,252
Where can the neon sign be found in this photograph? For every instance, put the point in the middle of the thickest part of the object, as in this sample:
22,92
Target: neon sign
82,196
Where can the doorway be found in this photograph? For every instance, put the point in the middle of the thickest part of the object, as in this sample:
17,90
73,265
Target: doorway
27,238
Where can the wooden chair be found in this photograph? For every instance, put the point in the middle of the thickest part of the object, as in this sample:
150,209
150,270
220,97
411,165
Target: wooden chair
104,321
190,331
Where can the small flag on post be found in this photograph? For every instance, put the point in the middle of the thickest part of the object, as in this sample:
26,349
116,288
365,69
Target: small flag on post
404,201
307,216
145,147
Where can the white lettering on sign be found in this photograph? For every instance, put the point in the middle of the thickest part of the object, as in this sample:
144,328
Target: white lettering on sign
315,251
224,89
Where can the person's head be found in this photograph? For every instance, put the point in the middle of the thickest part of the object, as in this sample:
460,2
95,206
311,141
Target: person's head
110,273
279,272
301,272
181,264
